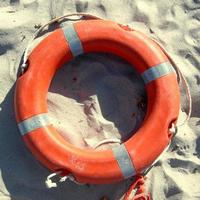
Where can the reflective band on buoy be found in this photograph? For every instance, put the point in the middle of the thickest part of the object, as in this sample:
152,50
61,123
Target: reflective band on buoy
33,123
157,72
89,165
124,161
73,40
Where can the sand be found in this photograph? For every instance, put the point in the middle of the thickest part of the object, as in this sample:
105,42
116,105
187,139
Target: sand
91,97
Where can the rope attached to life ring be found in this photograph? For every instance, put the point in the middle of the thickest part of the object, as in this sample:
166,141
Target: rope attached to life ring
138,183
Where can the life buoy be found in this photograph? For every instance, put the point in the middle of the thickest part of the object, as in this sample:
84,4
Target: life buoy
89,166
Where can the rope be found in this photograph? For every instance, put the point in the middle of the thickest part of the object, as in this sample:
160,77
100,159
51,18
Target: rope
137,187
50,184
180,78
138,184
35,35
107,141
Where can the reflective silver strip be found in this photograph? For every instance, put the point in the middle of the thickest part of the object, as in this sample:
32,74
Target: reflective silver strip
157,72
124,161
34,123
73,40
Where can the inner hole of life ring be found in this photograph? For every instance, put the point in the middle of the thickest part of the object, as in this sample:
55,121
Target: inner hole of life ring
97,101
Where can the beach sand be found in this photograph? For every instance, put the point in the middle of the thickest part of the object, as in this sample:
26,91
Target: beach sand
111,86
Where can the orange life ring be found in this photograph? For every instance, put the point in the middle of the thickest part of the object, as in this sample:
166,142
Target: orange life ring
89,166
